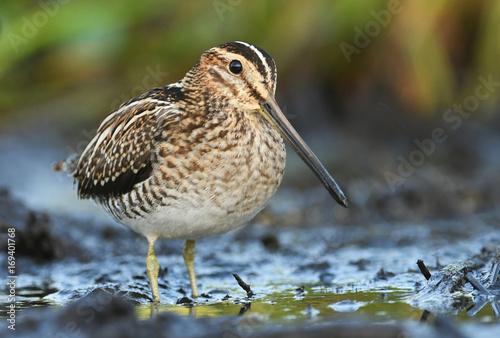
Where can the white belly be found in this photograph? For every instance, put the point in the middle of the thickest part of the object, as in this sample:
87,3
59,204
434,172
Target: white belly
178,222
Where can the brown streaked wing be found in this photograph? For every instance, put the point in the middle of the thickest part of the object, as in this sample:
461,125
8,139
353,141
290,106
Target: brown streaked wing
120,154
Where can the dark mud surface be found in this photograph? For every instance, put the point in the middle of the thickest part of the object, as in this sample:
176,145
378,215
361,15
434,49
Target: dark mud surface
315,268
86,277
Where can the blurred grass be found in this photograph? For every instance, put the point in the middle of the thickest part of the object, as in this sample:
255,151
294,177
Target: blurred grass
91,55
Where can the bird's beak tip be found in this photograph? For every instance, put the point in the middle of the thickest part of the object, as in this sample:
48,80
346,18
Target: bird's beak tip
273,114
339,196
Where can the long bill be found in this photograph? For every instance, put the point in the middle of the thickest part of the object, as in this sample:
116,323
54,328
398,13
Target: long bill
273,114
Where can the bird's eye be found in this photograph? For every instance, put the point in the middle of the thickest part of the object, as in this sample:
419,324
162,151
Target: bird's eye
235,67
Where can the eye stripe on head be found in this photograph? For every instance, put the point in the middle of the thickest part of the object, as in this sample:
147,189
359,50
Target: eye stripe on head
263,61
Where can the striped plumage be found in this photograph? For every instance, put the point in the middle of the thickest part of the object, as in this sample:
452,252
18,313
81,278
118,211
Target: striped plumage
196,158
186,146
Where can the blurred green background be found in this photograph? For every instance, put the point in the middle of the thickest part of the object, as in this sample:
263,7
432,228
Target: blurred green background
75,60
362,81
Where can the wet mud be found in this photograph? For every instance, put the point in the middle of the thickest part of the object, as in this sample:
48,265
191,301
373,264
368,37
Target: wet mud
313,268
86,277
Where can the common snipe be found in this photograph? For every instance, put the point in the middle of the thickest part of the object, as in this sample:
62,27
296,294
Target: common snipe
196,158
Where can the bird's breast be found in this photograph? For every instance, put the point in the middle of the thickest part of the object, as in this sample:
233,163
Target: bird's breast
235,165
211,179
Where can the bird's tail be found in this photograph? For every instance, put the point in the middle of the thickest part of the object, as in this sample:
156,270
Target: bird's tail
68,165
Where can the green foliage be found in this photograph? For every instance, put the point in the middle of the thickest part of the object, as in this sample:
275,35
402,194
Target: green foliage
423,55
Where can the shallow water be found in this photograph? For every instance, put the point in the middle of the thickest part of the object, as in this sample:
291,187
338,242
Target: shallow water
323,274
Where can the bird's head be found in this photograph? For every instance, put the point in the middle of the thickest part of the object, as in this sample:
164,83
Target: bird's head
243,76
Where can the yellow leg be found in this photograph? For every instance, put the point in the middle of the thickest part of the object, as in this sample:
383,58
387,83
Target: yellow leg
188,253
152,268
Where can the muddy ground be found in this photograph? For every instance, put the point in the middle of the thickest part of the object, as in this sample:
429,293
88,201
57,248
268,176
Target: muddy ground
315,268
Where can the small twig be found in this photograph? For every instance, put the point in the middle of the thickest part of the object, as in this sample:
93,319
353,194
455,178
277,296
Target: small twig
300,289
423,269
495,271
244,309
476,307
244,285
475,283
496,309
425,316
